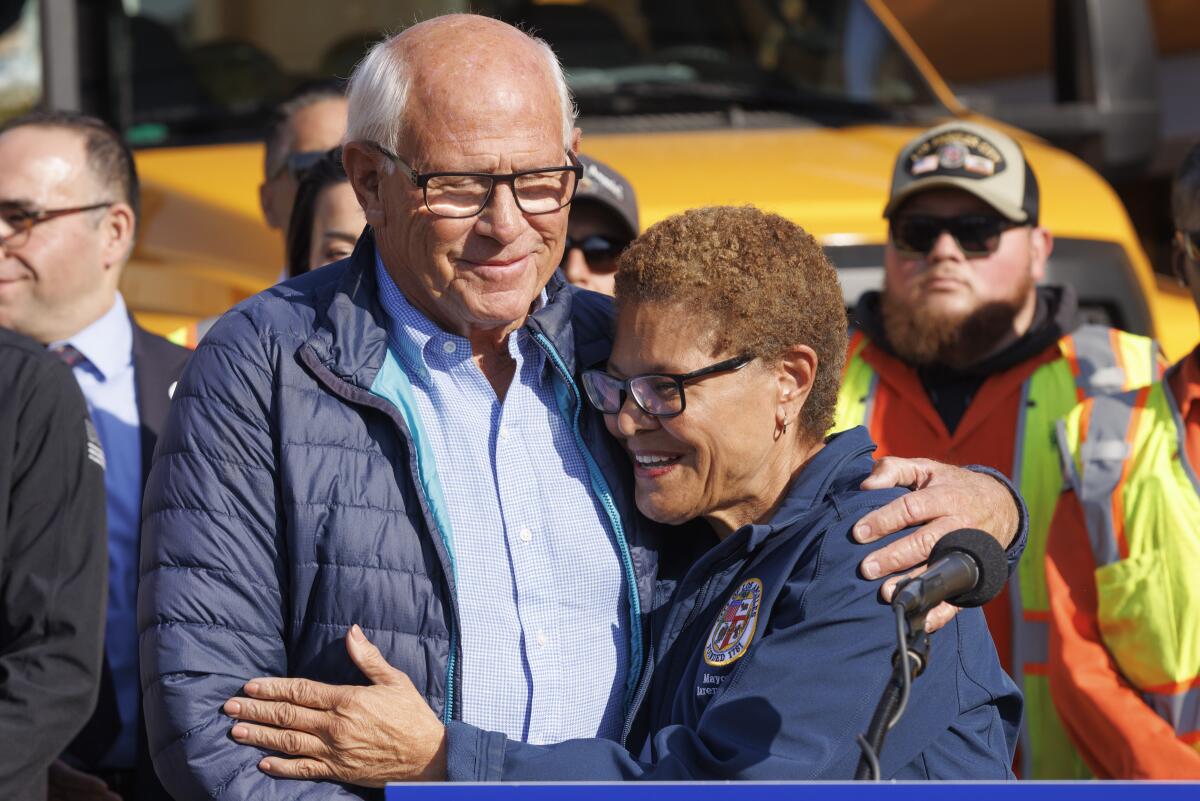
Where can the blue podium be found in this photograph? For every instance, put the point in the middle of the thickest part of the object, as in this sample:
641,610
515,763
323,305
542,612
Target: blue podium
778,791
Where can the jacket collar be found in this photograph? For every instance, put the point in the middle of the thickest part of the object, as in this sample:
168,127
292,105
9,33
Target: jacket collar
845,455
350,330
553,320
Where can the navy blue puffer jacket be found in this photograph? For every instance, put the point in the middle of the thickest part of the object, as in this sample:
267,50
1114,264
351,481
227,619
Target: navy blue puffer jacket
284,505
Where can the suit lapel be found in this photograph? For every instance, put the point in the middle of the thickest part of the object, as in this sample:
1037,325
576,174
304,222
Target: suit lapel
157,365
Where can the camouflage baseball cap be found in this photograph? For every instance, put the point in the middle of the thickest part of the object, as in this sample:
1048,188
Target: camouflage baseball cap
974,158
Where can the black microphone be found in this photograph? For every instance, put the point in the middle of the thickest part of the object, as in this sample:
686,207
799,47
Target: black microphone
967,568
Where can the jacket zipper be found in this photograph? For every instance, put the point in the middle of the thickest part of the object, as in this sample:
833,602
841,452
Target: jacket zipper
349,393
601,487
645,684
702,598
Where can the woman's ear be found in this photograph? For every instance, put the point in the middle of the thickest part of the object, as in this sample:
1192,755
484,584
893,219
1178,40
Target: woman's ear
796,372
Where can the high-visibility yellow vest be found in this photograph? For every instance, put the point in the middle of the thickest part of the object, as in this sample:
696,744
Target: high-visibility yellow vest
189,336
1095,360
1141,504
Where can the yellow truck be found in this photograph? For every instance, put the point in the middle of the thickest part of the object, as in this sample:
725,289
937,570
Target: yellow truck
796,106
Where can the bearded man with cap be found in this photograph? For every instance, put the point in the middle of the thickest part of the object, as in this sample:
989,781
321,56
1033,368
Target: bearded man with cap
603,221
963,358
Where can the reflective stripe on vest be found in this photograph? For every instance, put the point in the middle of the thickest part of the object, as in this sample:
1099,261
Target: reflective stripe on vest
856,398
1095,359
1141,503
189,336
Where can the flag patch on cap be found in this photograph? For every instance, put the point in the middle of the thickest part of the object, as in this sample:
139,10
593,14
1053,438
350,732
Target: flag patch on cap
960,153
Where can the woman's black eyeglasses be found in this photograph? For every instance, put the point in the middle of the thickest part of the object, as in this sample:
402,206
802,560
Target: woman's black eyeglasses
656,394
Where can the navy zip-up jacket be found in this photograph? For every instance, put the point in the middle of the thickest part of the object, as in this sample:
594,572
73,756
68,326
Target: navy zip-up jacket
285,504
770,659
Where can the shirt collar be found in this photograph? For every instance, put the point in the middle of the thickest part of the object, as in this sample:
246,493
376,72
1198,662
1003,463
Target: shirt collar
412,332
107,344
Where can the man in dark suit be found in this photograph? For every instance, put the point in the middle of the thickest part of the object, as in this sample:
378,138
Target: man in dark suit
68,217
53,564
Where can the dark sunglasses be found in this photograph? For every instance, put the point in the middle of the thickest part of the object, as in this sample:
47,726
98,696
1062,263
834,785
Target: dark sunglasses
656,394
600,252
1191,244
298,164
976,234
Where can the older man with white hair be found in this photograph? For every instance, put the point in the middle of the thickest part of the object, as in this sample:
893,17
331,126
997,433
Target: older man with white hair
398,441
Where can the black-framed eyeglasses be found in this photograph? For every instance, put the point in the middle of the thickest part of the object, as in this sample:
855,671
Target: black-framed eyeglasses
20,220
600,252
1190,240
656,394
976,234
464,194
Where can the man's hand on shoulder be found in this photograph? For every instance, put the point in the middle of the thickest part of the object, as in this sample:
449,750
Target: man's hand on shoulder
944,498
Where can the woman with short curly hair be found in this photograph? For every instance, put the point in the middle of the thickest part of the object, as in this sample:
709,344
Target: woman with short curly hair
771,652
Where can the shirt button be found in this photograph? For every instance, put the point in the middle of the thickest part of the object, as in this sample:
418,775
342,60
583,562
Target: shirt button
526,535
449,346
503,431
541,639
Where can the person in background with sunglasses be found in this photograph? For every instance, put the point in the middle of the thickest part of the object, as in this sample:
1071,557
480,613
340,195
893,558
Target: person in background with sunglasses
1123,562
302,131
602,223
963,358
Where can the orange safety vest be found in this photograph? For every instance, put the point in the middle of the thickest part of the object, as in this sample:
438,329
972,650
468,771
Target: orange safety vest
1126,456
1009,426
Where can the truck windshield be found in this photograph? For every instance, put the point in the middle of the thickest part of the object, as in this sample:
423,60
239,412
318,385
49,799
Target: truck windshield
207,70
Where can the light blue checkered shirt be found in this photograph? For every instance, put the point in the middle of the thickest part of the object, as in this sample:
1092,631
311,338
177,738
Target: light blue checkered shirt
541,591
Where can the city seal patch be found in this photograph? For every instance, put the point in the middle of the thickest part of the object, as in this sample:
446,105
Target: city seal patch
734,628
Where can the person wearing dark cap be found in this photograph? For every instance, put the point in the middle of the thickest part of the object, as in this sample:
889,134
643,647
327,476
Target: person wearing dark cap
963,358
603,221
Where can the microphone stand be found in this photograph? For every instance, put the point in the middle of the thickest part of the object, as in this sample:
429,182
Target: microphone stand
908,662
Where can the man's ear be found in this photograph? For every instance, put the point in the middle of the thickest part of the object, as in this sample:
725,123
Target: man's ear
794,378
117,231
266,199
364,167
576,137
1041,244
1179,260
